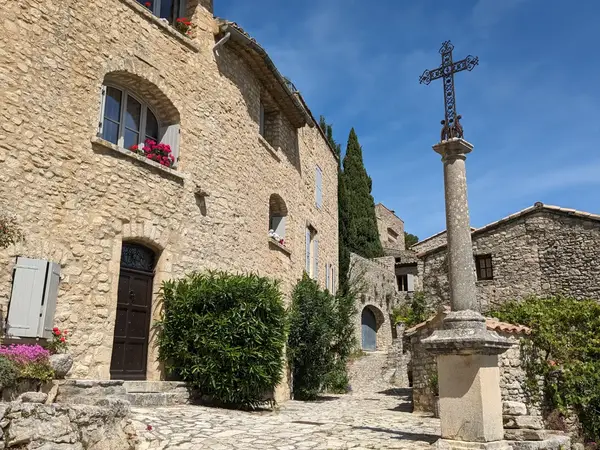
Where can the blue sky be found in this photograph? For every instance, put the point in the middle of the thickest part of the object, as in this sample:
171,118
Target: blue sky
531,108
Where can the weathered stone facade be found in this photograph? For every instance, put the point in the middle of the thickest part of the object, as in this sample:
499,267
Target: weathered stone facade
79,198
375,281
390,227
542,250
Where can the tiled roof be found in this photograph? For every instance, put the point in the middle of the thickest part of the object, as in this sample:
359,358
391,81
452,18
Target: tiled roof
490,322
538,206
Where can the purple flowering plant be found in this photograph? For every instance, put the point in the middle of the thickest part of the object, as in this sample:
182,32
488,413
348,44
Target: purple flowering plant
32,361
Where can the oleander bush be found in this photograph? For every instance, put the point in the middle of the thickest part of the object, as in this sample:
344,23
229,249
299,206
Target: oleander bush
564,351
225,335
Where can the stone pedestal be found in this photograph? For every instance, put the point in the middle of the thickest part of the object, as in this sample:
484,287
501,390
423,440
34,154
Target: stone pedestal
468,372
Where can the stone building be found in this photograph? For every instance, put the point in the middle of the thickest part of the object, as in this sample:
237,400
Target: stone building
541,250
83,82
390,227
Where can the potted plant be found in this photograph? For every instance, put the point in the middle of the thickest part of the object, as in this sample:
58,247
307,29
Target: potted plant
433,384
60,360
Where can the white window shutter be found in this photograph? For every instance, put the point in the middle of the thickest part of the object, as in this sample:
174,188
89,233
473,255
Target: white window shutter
327,277
316,259
49,301
411,282
26,297
333,283
319,186
170,136
307,251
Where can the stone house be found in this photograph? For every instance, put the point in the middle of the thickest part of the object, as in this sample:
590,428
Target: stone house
83,82
390,228
541,250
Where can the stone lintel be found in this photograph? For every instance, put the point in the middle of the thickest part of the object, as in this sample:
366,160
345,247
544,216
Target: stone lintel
447,444
453,148
464,333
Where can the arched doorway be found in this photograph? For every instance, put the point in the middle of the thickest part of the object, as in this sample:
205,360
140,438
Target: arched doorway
369,329
132,324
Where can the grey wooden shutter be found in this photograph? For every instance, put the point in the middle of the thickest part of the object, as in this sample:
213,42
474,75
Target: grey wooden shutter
46,322
170,136
411,282
327,277
319,186
26,297
333,283
102,106
307,251
316,259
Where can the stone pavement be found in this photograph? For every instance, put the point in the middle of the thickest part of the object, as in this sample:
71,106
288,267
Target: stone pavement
373,416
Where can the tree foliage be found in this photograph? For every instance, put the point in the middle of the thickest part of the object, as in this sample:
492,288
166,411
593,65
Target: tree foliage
564,350
224,334
362,233
311,340
414,312
410,240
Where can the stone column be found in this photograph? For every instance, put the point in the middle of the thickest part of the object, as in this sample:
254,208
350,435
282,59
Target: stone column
468,372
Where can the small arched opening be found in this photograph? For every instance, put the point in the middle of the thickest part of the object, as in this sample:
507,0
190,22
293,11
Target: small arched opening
277,217
371,320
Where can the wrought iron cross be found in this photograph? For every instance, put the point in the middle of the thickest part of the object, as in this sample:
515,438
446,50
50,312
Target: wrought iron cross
451,126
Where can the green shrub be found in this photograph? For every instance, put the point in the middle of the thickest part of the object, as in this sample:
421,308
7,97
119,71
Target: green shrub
10,233
224,334
8,373
564,351
413,313
312,338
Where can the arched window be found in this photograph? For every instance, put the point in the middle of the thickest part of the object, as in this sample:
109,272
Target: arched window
128,120
277,216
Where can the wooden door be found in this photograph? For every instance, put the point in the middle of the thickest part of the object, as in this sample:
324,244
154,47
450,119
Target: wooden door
132,325
369,330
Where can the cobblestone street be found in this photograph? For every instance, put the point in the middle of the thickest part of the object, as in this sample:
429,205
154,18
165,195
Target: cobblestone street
373,416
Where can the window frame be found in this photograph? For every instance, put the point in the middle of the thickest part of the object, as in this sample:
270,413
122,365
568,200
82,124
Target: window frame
181,6
485,272
312,256
125,93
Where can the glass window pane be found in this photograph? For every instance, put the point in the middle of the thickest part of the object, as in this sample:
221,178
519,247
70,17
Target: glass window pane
166,10
110,131
133,114
131,138
151,126
112,106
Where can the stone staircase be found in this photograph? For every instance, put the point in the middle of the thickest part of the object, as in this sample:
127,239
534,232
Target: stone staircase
157,393
138,393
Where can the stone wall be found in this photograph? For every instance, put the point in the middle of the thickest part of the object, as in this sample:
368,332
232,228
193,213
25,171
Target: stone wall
375,281
79,198
430,243
423,364
540,253
391,228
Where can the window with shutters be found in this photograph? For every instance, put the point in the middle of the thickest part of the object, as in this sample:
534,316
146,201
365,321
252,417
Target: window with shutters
312,253
169,10
484,267
131,121
319,187
33,298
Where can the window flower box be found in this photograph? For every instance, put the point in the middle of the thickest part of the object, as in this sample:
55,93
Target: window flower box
278,242
160,153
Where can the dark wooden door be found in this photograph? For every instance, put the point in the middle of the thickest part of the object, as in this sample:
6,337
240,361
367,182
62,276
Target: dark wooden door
132,326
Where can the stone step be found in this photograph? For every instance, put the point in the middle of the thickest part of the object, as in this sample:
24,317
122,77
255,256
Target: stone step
154,386
146,399
88,392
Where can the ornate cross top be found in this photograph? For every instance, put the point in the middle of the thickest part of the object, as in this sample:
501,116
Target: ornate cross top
451,126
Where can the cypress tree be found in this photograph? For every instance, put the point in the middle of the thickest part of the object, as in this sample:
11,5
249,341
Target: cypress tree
362,234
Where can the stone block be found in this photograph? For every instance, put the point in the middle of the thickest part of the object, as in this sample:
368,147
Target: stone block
447,444
527,435
529,422
510,408
552,443
33,397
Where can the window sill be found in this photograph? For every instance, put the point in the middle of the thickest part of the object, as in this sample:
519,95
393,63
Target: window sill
142,11
487,281
283,248
270,148
139,158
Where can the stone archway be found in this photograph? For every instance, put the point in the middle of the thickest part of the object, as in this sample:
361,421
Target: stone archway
371,321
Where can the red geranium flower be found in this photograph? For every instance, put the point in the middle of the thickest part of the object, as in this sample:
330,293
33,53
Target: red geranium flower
62,339
149,427
147,4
